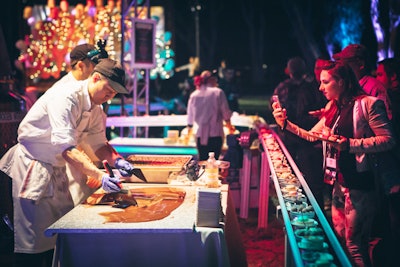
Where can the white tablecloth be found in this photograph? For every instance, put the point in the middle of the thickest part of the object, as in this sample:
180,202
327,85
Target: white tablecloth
85,240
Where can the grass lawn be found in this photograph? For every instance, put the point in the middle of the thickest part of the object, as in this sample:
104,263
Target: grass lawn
256,105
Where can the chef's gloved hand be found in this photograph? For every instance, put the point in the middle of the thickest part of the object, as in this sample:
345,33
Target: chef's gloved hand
124,167
110,184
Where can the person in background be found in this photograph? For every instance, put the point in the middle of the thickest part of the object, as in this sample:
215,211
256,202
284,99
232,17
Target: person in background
299,95
228,84
83,59
221,69
388,73
187,87
51,134
354,202
319,64
209,109
356,55
192,67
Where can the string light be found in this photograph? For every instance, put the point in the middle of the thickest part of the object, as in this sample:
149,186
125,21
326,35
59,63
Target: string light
52,39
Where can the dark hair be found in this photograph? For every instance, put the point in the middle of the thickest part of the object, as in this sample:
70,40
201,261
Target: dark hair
297,67
342,71
391,66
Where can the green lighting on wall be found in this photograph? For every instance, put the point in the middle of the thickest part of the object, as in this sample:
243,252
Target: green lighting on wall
129,150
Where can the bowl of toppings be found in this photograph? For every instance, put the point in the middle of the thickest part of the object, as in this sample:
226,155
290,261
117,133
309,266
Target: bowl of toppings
306,232
289,188
294,197
315,242
303,210
303,222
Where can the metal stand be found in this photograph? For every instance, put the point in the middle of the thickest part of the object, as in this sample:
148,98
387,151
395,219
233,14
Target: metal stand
137,90
245,184
263,199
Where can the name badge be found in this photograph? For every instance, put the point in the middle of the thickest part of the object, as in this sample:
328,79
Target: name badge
331,163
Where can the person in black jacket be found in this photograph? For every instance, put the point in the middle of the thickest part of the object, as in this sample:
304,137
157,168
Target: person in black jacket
299,94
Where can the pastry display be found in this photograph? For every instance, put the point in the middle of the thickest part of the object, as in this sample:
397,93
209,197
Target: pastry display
303,221
306,232
310,238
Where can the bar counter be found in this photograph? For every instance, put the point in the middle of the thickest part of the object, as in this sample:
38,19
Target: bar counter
84,239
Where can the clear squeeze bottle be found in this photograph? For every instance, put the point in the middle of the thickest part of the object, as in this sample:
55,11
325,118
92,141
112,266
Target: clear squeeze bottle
211,171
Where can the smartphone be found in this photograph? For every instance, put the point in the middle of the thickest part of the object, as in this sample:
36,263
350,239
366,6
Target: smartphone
275,98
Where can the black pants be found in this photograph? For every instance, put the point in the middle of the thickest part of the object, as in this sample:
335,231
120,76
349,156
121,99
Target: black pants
214,144
393,236
385,240
44,259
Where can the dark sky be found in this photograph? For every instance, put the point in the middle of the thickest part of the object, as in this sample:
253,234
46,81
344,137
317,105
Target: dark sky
282,39
232,36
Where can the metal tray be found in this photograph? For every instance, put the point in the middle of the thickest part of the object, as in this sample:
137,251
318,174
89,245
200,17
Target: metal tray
158,168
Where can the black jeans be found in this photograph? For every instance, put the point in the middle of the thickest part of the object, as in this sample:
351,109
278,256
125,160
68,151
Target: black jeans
44,259
214,144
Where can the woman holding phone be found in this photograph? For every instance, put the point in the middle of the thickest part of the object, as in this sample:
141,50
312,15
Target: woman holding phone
347,138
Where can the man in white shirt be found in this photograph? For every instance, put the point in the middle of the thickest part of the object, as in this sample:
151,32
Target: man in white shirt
66,118
209,109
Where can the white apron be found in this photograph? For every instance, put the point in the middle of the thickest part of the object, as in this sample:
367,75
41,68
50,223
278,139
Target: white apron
38,205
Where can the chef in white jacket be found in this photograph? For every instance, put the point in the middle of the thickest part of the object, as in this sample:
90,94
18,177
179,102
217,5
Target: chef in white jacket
66,118
209,109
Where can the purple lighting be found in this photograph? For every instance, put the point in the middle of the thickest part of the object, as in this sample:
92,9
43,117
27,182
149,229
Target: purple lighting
380,35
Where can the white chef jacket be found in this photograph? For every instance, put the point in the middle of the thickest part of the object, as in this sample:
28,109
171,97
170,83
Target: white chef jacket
208,108
66,79
61,118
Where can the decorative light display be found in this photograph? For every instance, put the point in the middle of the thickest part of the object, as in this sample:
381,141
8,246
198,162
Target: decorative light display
164,58
348,25
45,52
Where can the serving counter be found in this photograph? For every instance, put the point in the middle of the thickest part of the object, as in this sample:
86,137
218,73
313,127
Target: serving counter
86,239
309,238
170,120
154,146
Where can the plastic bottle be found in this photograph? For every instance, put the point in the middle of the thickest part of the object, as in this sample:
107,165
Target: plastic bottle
211,171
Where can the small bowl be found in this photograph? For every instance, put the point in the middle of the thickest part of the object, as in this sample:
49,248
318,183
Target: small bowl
303,222
295,205
305,232
310,214
300,197
312,242
303,210
309,256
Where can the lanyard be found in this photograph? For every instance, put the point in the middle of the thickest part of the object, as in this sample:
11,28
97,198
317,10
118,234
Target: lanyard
330,161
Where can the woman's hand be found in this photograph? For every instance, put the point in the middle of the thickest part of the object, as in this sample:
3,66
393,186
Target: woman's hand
339,142
279,114
316,113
